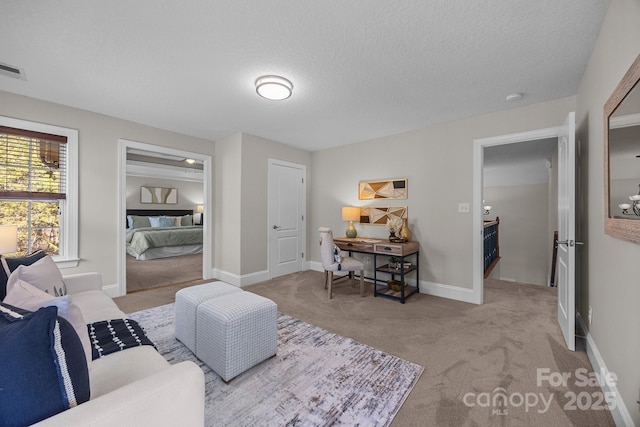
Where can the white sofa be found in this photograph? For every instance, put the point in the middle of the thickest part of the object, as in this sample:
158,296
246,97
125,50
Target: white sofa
134,387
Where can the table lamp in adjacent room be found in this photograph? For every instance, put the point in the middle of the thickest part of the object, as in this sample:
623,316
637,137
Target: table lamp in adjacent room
200,210
8,239
351,214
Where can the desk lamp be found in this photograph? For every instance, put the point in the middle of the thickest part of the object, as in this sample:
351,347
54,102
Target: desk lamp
351,214
8,239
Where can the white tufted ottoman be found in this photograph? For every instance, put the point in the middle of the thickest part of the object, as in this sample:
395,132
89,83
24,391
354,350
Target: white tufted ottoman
187,302
236,332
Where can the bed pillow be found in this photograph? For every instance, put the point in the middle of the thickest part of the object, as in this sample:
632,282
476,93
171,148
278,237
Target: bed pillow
166,222
10,264
177,220
43,274
154,221
23,295
186,220
138,221
43,370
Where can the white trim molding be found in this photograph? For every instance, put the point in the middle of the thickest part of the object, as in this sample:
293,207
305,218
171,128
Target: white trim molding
69,221
429,288
478,163
241,280
620,413
447,291
207,185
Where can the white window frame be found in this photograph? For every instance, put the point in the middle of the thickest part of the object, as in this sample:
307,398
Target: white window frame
68,257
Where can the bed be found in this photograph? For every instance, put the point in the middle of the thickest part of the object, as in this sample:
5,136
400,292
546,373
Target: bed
159,233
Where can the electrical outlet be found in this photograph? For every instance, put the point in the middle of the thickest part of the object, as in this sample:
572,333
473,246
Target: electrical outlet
590,315
463,207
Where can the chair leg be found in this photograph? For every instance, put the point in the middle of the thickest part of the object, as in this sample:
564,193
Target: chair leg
326,275
330,292
353,285
361,283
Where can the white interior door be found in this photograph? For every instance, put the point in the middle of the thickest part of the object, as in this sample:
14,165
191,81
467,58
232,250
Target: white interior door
286,218
566,231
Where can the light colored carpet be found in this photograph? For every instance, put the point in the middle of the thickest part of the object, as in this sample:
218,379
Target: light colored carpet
465,348
316,379
162,272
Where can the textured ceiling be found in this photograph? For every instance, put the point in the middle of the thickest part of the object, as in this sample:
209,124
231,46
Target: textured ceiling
360,69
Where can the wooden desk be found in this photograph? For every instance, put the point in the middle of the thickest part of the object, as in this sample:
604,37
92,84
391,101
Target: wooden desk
378,247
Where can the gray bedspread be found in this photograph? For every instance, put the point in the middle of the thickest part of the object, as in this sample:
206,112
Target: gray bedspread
141,239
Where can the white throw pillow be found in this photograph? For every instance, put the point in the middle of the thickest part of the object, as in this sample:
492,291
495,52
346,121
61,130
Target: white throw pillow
23,295
43,274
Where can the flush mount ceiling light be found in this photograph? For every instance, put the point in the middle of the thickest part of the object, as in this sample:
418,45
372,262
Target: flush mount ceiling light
190,161
275,88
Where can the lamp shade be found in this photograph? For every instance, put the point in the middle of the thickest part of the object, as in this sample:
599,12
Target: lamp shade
199,208
350,214
8,239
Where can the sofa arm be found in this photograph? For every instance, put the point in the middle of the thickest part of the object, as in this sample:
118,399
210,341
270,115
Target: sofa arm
83,282
171,397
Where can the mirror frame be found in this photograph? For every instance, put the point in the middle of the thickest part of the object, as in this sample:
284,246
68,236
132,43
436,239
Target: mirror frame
625,229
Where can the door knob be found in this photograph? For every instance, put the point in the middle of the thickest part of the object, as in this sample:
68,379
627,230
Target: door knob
276,227
570,243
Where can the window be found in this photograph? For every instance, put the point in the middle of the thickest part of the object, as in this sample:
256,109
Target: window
38,187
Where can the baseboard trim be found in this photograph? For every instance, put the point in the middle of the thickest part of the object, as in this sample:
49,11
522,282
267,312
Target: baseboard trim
241,280
315,266
429,288
112,290
621,415
447,291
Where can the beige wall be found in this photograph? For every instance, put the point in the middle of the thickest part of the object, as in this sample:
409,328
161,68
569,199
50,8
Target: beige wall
189,193
228,166
256,153
438,162
609,267
241,230
524,243
98,171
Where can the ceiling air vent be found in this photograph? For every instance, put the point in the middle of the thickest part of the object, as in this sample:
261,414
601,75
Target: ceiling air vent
13,72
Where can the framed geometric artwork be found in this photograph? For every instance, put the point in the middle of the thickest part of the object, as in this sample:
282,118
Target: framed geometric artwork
158,195
378,215
392,189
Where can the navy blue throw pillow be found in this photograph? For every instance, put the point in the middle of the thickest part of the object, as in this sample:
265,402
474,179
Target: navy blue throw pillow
11,264
43,370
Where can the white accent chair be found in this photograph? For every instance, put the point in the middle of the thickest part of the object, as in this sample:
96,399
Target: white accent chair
329,264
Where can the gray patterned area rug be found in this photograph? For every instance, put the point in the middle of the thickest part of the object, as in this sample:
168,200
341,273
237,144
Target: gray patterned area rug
317,378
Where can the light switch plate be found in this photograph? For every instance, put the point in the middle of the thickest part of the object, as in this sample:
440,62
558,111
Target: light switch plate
463,207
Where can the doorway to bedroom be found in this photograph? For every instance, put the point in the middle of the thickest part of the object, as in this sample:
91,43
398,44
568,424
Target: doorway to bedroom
164,209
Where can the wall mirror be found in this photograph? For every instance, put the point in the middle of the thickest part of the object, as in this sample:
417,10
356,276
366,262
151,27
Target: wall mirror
622,158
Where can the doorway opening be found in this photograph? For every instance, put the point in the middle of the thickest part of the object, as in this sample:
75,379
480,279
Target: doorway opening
520,188
158,185
565,136
478,192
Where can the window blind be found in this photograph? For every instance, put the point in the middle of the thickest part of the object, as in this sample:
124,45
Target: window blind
32,165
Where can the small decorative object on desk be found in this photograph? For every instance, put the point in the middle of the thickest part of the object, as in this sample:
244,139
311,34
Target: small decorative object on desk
394,225
405,233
